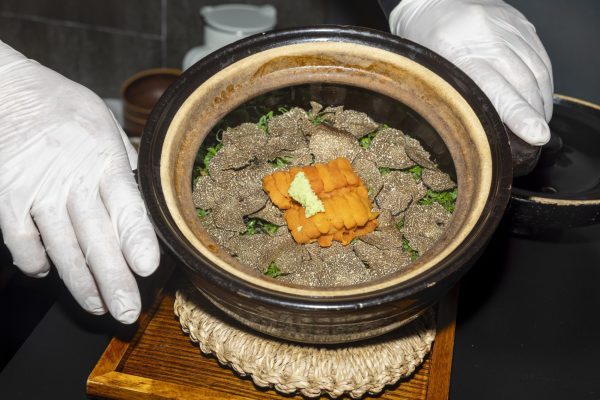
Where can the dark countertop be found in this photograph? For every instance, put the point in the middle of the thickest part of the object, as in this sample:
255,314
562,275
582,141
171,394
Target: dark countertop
527,328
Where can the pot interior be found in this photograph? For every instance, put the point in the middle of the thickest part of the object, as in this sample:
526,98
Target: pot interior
388,87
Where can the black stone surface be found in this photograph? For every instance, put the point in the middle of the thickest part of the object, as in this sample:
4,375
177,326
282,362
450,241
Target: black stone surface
527,328
75,52
140,16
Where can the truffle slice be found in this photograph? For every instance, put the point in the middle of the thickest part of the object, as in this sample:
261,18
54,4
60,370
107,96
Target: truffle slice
328,143
258,251
399,191
417,153
271,214
424,224
241,145
354,122
437,180
385,239
388,150
381,262
220,236
369,174
207,193
341,266
285,134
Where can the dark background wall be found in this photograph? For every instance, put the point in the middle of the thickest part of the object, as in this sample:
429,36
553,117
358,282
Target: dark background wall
101,43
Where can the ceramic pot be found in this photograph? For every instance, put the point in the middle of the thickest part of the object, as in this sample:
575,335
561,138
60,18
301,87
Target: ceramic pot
563,190
393,80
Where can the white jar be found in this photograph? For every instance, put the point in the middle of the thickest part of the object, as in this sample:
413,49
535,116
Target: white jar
227,23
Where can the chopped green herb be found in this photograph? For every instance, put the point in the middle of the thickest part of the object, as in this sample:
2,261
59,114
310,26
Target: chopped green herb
201,212
281,162
210,153
366,140
416,172
400,224
273,270
257,225
263,122
407,248
384,170
317,119
446,199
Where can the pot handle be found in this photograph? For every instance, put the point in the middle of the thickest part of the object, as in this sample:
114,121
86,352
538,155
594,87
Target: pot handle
524,155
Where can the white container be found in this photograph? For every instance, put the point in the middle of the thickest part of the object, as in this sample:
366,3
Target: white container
227,23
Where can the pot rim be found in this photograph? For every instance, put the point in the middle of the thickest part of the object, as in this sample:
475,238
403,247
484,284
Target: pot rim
454,262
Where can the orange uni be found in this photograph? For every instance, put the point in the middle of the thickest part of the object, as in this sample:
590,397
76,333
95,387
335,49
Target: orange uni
347,206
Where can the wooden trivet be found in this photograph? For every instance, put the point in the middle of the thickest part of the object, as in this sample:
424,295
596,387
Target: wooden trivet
354,369
160,362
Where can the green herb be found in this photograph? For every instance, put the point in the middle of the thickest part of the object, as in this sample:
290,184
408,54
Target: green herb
317,119
366,140
446,199
407,248
210,153
263,122
384,170
257,225
273,270
201,212
281,162
416,172
400,224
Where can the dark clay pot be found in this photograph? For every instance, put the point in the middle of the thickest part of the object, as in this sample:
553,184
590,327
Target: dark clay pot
393,80
563,190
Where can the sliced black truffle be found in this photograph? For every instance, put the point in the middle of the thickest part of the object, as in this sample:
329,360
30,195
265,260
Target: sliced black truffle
400,189
354,122
424,224
388,238
327,143
369,174
417,153
271,214
381,262
388,150
437,180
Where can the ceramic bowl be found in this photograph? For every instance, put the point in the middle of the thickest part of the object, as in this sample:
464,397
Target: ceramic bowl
393,80
140,93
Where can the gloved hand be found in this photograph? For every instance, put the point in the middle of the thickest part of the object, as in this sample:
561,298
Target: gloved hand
496,46
66,172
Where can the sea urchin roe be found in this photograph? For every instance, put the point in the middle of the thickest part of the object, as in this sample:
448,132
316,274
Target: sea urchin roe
346,209
301,191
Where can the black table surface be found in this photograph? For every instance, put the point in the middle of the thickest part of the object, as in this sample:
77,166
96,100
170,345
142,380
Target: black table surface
527,328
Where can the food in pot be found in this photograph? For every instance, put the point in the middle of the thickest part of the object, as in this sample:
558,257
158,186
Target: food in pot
327,197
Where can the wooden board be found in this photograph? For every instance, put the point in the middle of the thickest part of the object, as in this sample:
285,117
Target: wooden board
161,362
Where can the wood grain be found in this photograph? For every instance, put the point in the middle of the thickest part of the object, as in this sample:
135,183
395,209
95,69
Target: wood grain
161,362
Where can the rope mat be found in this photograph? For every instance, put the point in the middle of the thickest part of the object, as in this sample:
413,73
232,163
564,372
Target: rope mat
352,369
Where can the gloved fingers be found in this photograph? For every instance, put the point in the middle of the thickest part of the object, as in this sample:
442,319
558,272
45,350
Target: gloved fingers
128,213
514,110
132,155
64,251
96,238
23,240
538,62
518,74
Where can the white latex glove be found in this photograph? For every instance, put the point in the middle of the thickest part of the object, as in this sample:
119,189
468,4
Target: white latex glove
496,46
65,173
